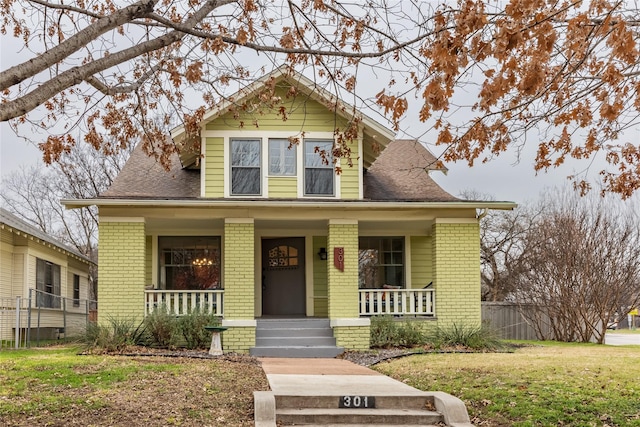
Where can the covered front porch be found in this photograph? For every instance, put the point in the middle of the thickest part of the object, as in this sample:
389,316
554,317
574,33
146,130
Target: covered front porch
242,265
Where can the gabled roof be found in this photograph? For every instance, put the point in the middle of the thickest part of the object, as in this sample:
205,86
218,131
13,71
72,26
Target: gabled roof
374,132
401,173
16,225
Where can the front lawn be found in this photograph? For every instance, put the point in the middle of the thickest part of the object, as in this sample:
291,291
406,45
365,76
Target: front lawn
57,387
542,385
549,384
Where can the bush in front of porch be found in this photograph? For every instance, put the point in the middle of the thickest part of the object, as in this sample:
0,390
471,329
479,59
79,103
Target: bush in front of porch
387,332
159,329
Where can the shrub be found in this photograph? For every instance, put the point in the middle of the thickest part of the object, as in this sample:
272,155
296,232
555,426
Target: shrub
192,328
473,337
162,328
386,332
411,334
116,335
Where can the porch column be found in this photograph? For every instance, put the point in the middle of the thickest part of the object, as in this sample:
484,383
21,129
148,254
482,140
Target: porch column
121,268
350,331
456,271
239,293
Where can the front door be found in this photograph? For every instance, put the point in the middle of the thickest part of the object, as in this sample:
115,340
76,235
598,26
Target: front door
283,277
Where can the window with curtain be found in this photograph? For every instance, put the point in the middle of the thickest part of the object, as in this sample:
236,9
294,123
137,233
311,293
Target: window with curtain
189,262
245,167
48,284
318,167
381,262
282,158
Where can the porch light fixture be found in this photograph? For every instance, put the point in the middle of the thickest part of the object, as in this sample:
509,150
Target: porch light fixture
323,254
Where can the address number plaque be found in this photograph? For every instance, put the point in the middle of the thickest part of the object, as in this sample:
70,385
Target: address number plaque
357,402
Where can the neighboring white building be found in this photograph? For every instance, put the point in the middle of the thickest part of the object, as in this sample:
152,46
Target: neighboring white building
56,277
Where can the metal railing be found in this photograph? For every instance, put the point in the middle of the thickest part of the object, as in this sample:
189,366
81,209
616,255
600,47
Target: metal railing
43,317
180,303
397,302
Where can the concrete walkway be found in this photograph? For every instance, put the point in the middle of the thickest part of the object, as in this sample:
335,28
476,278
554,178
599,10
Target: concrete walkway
337,377
611,338
329,377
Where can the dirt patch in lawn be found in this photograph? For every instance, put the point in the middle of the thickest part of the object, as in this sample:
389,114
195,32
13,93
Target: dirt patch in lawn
165,389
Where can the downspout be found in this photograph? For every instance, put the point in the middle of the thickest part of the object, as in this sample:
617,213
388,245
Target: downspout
484,213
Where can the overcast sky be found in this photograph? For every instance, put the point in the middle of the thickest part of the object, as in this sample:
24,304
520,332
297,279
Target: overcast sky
502,178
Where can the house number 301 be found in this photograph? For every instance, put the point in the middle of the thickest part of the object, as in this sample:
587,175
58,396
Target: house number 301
357,402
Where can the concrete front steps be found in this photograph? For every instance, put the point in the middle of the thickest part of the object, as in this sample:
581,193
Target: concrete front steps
428,409
322,410
308,338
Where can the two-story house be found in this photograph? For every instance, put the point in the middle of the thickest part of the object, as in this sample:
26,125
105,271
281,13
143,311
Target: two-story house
253,227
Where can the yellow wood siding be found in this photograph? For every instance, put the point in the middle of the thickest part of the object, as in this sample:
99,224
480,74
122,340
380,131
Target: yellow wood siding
421,264
6,261
214,173
350,178
283,188
320,308
303,114
17,275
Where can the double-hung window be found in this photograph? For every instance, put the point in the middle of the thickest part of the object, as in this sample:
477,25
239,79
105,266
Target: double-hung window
381,262
76,290
47,284
318,167
245,167
282,157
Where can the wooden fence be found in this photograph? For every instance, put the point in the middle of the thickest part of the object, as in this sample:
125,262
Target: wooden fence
507,320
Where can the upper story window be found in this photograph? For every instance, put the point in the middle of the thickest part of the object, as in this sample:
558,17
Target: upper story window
245,167
318,167
47,284
282,158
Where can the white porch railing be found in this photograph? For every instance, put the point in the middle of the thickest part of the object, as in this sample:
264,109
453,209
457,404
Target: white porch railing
397,302
180,303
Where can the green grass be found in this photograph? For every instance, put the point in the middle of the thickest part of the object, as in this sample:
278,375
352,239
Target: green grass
624,331
28,378
549,384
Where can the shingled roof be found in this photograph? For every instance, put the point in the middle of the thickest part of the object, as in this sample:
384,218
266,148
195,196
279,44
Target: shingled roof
401,173
143,177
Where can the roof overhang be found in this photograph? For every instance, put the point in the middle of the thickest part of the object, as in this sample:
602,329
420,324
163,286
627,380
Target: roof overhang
47,243
323,204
